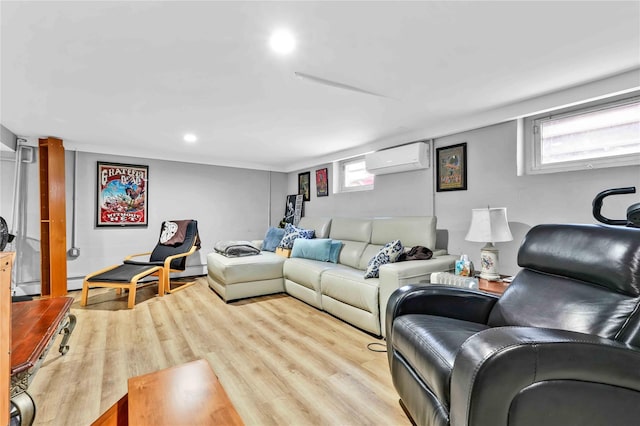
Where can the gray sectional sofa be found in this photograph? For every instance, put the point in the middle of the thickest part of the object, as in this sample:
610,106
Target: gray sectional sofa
337,288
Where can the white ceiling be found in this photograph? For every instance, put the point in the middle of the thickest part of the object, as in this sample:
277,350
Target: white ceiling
131,78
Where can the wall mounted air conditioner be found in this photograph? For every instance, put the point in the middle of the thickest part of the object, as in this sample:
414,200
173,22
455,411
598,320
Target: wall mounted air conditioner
403,158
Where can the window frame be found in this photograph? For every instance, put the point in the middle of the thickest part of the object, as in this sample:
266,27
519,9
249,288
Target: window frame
340,175
533,139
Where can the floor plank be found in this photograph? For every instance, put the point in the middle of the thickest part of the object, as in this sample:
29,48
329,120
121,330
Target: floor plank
281,361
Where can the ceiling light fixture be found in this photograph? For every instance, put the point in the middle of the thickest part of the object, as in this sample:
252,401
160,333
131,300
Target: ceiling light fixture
190,137
335,84
282,42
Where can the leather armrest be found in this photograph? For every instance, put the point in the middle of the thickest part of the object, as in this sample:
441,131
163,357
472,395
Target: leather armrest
494,366
446,301
397,274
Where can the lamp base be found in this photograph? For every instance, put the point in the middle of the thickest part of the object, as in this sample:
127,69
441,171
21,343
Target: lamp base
489,262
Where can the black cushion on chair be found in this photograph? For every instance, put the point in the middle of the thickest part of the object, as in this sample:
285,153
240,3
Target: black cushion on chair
430,344
123,273
580,278
605,256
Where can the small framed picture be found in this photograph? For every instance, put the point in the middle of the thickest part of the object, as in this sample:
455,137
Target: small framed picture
304,185
451,164
322,183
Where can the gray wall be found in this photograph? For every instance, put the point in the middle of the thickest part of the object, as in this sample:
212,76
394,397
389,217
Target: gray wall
232,203
229,203
530,200
492,180
399,194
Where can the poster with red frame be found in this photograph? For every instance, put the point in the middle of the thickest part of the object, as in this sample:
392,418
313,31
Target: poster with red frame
122,194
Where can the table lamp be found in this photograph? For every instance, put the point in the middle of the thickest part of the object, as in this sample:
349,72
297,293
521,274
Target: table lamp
489,226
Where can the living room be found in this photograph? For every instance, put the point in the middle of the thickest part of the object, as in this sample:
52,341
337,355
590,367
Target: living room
231,199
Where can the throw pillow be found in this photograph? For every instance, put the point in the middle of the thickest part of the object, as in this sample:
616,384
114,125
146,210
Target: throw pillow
272,238
291,233
315,249
334,253
387,254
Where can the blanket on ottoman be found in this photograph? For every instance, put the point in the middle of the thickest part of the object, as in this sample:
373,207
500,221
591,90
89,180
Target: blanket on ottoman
236,248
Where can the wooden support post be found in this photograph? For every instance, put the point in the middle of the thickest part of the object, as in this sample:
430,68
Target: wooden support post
53,226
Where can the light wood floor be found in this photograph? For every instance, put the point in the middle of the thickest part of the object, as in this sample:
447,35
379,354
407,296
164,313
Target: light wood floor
281,361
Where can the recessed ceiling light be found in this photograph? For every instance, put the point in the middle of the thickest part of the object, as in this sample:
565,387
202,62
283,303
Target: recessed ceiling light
282,41
190,137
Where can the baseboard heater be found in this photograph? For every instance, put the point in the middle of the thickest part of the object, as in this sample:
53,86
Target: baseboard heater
447,278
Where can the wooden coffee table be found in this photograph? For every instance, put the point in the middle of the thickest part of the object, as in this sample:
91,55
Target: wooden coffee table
186,394
35,324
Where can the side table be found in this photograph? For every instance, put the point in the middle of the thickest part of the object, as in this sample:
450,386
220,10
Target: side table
35,324
494,287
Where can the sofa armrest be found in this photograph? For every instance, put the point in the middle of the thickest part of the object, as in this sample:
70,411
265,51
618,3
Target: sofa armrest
507,374
440,300
395,275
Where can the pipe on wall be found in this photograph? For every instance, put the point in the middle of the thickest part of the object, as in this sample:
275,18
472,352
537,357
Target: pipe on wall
24,154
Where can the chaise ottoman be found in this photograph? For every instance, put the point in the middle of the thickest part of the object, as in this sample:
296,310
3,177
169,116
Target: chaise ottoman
248,276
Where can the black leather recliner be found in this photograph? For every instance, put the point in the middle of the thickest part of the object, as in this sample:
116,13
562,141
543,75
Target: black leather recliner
560,347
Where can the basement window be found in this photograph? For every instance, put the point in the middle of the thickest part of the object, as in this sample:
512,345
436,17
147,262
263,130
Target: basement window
351,175
601,135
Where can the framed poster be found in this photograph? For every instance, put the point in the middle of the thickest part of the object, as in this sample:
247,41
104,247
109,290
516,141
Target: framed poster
322,183
451,164
303,185
293,209
122,195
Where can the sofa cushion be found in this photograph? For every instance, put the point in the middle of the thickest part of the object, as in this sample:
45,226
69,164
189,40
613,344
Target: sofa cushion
306,272
347,285
430,344
321,225
272,238
314,249
388,254
411,230
369,251
351,229
292,232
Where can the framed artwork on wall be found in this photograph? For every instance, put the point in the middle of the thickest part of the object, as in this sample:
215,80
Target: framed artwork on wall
121,198
322,183
451,165
304,185
293,210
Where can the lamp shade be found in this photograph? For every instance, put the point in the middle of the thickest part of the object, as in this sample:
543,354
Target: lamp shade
489,225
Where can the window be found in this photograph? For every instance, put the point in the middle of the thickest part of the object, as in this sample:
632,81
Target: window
603,135
352,175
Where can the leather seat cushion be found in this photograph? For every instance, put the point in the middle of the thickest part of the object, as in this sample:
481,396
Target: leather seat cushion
306,272
430,344
231,270
348,285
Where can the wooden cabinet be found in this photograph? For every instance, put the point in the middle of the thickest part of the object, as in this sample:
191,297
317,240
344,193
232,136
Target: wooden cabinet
6,261
53,227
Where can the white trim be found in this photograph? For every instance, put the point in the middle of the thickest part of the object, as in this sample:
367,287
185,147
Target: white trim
529,150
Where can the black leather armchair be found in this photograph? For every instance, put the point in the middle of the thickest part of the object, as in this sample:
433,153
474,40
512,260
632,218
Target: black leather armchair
560,347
